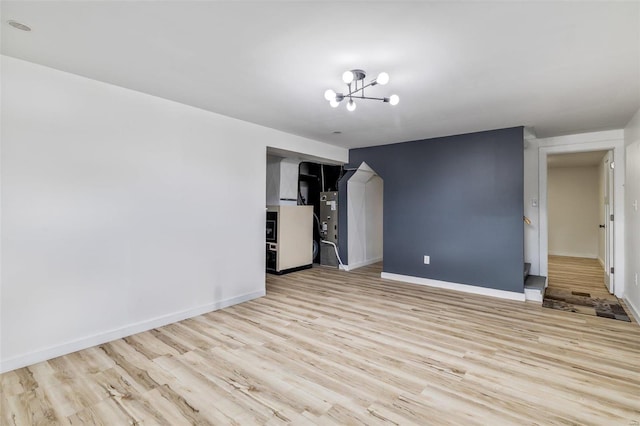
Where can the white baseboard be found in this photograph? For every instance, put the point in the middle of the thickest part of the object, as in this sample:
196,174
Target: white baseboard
108,336
573,254
352,266
533,295
635,310
601,262
502,294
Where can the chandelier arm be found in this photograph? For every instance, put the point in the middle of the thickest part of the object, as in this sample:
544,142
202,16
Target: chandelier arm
374,99
356,90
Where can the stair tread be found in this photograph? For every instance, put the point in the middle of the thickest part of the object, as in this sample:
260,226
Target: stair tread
535,282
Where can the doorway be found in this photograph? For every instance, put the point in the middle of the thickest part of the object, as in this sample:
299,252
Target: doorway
294,184
579,187
602,141
607,220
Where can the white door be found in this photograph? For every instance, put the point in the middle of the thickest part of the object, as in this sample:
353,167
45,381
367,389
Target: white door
609,221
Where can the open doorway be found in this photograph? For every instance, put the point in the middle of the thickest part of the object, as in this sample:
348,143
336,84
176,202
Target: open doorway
580,237
603,141
580,210
365,189
295,184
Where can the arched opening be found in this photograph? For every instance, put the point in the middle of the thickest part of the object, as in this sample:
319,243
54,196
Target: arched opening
365,190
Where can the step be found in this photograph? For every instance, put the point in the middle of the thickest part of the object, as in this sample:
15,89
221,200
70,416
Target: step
527,268
534,287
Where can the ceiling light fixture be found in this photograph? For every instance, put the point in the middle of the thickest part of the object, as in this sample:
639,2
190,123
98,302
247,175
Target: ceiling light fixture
18,25
354,79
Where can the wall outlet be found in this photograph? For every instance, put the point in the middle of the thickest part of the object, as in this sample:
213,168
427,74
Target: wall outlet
427,261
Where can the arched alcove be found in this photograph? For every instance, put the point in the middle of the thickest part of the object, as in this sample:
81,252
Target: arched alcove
364,217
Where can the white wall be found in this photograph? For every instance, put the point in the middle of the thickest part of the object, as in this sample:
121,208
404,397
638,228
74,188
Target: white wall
531,200
573,211
632,216
273,180
122,211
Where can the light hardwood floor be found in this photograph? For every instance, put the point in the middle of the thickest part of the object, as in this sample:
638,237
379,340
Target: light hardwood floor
578,274
330,347
583,275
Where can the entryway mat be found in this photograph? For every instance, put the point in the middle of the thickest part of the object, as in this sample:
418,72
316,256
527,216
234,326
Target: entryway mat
583,303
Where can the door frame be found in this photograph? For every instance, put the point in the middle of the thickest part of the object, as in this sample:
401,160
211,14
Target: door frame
609,225
601,141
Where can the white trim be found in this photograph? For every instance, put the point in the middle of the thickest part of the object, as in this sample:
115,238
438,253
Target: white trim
352,266
635,311
599,141
108,336
466,288
601,262
534,295
574,254
582,138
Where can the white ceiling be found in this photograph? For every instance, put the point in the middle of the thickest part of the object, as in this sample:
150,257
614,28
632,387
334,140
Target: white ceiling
576,159
458,67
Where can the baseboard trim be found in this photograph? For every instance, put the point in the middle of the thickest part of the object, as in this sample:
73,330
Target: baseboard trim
635,311
601,262
566,254
534,295
352,266
466,288
108,336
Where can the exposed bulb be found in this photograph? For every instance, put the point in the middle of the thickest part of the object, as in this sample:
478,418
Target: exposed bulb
394,99
330,95
383,78
351,106
347,77
334,103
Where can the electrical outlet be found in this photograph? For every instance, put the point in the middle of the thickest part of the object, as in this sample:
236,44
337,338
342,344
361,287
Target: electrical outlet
427,260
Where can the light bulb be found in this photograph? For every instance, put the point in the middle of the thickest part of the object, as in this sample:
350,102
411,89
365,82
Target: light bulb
351,106
334,103
330,95
394,99
347,77
383,78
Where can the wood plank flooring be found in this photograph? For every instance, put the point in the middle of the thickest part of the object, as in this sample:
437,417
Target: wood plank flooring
578,274
583,275
330,347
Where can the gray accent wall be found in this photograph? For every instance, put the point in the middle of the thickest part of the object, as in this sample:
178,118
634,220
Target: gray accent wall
457,199
343,246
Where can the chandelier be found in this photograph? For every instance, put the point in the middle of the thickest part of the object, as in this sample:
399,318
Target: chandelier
355,89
